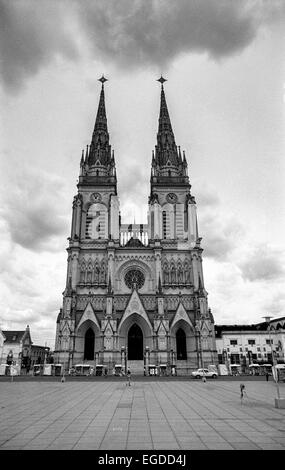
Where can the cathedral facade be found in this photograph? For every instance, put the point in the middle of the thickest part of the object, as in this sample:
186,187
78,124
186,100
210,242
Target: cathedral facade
135,293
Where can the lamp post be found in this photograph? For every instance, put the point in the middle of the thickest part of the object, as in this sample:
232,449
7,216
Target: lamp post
267,319
198,329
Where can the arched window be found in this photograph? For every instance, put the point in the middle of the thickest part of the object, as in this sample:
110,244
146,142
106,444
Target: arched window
181,350
82,272
164,224
152,225
89,345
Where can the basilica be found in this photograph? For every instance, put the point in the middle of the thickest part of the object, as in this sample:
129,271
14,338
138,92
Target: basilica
135,295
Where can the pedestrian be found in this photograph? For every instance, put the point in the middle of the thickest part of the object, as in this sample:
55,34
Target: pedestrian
129,376
267,376
242,387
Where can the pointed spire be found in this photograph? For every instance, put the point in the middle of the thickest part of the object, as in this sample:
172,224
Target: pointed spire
100,159
168,159
86,153
164,119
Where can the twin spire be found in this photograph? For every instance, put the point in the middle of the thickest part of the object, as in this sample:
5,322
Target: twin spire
167,161
99,158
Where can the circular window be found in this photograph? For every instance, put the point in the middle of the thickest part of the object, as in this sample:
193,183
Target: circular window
134,278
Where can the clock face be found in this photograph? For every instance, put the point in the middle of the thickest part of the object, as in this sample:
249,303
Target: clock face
96,197
171,197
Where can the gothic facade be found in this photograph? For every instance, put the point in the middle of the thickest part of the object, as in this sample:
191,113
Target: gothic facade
135,293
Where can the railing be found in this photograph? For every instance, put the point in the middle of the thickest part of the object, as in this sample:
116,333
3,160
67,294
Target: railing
135,231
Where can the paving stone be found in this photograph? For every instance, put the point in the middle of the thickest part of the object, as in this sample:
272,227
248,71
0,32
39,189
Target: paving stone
162,415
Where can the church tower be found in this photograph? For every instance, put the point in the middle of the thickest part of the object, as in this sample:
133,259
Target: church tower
135,294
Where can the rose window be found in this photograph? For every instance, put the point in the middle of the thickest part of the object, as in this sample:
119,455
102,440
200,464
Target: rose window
134,278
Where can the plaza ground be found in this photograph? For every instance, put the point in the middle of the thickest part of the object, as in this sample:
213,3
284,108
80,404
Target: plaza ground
150,414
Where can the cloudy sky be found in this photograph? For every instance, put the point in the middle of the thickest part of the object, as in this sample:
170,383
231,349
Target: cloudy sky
224,61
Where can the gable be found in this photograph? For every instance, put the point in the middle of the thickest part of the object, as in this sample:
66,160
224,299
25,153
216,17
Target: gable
181,314
135,306
88,314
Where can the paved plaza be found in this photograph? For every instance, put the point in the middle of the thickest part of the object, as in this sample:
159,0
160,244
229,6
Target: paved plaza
147,415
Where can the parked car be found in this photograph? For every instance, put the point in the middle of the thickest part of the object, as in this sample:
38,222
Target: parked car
199,373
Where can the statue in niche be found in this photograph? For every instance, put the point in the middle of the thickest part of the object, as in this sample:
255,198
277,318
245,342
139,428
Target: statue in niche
79,199
102,274
187,273
166,274
180,275
89,274
82,273
205,342
173,275
96,274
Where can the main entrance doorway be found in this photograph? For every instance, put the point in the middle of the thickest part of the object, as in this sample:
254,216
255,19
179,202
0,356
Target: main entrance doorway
181,345
89,345
135,343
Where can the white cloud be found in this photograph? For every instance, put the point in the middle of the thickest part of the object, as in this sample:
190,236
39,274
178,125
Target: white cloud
264,263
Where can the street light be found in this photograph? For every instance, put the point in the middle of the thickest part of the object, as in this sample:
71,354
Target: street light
198,329
267,319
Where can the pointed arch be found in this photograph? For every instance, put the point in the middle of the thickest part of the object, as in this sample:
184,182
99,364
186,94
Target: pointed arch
135,342
187,274
180,274
89,272
181,349
80,337
83,272
172,273
102,279
96,272
89,345
165,273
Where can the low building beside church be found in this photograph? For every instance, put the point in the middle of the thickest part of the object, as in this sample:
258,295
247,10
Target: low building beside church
135,293
16,347
251,344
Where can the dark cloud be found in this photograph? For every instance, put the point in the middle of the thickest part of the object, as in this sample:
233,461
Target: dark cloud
134,32
33,226
264,264
31,34
34,211
129,33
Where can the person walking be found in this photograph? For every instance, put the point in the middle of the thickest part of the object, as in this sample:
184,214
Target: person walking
267,376
129,376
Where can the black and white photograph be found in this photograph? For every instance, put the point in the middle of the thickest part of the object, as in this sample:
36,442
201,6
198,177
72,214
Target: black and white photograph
142,221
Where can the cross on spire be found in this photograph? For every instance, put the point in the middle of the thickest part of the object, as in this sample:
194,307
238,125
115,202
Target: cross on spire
102,79
161,80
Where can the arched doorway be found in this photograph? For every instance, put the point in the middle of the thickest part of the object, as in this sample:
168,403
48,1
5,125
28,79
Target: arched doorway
135,343
181,349
89,345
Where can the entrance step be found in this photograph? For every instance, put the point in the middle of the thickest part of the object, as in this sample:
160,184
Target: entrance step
136,367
